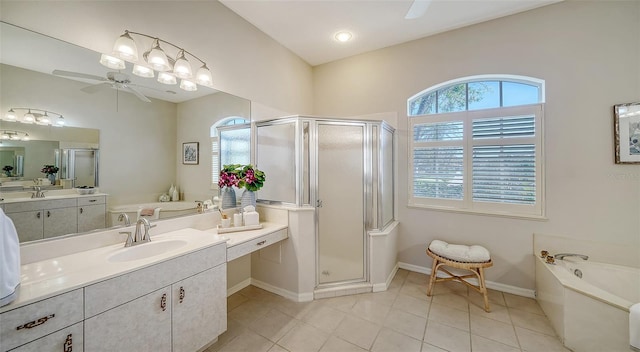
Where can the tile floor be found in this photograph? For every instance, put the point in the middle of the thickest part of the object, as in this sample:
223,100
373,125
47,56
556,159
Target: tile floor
402,319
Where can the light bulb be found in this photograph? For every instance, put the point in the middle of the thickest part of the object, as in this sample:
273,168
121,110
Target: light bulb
125,48
203,77
112,62
11,115
343,36
45,120
28,117
60,121
157,58
182,68
26,137
143,71
166,78
188,85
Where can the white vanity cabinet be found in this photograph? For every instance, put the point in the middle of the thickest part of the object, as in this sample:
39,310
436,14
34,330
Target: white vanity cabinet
176,305
43,323
143,324
197,308
91,213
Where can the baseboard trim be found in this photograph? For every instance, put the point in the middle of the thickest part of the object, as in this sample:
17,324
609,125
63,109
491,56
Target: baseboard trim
518,291
385,286
296,297
242,284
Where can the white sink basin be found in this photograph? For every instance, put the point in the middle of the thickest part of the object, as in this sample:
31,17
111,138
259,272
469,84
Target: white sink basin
146,250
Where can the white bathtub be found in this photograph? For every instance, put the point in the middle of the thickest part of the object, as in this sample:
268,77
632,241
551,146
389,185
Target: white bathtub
589,313
167,210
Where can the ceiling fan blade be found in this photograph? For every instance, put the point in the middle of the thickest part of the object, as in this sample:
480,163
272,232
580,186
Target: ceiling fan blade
95,87
78,75
137,93
418,9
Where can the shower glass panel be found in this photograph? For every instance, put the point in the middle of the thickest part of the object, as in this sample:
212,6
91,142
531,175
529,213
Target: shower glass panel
386,182
276,155
340,202
80,166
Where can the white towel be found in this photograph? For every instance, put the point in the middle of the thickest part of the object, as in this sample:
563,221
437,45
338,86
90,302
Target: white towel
9,261
459,252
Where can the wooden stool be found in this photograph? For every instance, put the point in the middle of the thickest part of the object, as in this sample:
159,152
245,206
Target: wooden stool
476,267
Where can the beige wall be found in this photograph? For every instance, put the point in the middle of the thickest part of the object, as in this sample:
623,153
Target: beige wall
587,52
243,60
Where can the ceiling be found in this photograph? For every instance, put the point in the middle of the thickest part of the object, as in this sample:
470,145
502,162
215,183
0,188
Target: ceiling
307,27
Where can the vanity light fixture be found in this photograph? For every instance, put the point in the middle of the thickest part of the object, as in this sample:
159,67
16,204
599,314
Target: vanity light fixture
156,59
14,135
37,116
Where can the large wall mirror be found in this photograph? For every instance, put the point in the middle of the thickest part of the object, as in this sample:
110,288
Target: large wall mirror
139,142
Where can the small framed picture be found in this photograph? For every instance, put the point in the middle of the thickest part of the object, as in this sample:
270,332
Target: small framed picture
190,153
627,133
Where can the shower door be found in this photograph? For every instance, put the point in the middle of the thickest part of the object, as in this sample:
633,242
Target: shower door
81,166
340,202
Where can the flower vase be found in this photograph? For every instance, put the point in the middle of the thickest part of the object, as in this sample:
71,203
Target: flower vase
248,198
228,196
52,178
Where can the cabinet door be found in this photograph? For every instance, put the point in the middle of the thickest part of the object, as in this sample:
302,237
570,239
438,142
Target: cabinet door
68,339
29,224
143,324
199,309
91,217
60,221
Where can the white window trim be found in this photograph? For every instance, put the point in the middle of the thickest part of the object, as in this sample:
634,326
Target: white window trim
467,205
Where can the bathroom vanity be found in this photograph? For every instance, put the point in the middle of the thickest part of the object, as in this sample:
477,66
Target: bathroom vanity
56,215
165,295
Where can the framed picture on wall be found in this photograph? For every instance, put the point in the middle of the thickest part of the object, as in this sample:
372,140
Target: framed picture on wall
627,133
190,153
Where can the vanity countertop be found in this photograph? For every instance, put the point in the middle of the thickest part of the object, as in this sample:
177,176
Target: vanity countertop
16,197
54,276
51,277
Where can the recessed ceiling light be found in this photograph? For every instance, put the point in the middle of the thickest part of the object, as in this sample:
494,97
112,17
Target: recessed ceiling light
343,36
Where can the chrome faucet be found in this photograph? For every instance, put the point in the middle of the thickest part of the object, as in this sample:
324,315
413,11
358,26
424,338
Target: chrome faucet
125,217
139,236
39,193
561,256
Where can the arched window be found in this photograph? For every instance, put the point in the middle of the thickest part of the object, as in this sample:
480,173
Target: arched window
476,145
230,144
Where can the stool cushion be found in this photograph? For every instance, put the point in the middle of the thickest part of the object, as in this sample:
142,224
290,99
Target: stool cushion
459,252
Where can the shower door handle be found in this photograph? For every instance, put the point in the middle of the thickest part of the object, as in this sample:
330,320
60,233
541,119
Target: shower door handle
319,203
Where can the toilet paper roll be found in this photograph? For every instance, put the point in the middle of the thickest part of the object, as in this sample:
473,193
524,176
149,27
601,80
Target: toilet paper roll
634,326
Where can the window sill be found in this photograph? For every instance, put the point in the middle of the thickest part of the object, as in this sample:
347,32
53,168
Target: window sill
533,217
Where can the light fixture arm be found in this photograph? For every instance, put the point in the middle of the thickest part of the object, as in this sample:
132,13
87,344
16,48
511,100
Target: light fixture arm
36,110
164,41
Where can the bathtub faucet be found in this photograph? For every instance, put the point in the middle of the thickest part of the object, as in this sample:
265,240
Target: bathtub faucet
561,256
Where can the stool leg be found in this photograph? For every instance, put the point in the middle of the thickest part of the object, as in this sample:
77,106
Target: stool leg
432,278
483,290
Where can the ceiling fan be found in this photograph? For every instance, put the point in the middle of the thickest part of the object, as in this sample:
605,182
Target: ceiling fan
114,80
418,9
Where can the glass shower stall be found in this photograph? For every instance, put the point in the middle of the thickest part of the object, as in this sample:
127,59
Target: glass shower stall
344,169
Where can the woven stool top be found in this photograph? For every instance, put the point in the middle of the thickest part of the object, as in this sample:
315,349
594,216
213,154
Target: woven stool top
459,264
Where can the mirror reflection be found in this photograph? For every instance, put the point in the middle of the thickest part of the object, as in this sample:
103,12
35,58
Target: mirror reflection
139,142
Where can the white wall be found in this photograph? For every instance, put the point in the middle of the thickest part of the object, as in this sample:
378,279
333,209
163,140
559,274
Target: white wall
587,52
243,60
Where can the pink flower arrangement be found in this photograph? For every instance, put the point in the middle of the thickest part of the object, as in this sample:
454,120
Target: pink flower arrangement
229,176
241,176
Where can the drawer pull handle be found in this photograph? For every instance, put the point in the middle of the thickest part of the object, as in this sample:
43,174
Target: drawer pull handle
261,243
33,324
163,302
92,200
48,214
38,215
181,294
68,344
81,210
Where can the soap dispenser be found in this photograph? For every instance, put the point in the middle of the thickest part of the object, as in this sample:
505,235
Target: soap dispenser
174,195
251,217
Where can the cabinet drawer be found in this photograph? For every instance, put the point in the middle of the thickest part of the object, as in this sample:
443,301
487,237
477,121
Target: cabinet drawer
91,200
35,320
67,339
113,292
239,250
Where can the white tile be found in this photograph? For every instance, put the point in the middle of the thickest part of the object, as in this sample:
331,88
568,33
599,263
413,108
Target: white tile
247,341
324,317
481,344
431,348
498,312
273,325
357,331
335,344
304,337
446,337
249,311
449,316
494,330
370,311
531,321
452,300
278,348
415,290
412,305
532,341
405,323
524,303
391,341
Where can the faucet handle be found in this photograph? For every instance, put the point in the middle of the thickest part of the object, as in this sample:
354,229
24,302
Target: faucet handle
129,241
